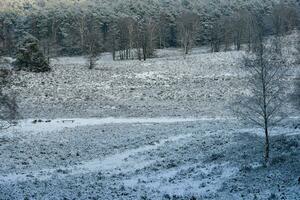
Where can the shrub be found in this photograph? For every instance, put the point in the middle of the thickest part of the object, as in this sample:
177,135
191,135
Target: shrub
30,58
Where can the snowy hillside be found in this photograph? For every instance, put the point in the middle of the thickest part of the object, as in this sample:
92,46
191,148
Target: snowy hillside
200,85
168,133
140,158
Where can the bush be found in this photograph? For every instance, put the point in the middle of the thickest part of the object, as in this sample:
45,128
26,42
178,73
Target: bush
30,58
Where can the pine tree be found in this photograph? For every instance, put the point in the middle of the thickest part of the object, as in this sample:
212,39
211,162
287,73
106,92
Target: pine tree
30,58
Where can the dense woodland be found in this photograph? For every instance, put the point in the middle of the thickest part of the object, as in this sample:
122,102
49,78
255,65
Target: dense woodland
134,29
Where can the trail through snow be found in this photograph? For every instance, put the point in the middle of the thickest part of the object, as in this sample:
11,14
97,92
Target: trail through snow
31,125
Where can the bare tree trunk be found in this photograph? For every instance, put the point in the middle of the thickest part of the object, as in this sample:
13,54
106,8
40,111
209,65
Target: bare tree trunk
265,106
267,145
139,53
81,31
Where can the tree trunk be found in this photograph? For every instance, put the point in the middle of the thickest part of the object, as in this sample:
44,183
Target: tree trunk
267,146
144,53
186,49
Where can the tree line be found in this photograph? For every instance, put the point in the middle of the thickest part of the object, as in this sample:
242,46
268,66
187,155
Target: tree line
89,29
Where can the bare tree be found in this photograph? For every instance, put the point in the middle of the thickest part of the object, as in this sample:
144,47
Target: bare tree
227,29
127,33
147,38
93,38
244,28
113,40
262,105
217,35
284,19
187,24
239,22
81,24
163,30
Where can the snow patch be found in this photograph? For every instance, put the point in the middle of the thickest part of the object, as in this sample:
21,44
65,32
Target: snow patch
30,125
181,181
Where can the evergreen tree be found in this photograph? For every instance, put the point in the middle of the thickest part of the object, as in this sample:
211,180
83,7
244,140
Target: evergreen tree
30,58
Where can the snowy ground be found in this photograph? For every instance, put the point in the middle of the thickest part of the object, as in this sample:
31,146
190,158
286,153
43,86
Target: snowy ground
160,129
146,158
200,85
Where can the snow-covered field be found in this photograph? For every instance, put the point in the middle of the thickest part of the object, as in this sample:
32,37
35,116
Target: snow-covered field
159,129
201,85
170,86
145,158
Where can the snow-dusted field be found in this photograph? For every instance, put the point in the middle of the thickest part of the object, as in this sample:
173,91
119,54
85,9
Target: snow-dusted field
201,85
159,129
145,158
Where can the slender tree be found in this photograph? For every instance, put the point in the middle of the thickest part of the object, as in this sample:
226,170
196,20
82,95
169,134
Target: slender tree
262,106
187,24
127,34
113,41
147,37
217,35
163,30
92,41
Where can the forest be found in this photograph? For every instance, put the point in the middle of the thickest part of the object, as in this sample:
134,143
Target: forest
134,29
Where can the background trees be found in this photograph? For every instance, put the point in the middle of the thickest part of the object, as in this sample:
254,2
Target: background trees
148,32
7,34
284,18
218,34
92,42
187,24
123,26
128,32
164,25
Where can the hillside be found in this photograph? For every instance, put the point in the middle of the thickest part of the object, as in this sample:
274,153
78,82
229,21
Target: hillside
200,85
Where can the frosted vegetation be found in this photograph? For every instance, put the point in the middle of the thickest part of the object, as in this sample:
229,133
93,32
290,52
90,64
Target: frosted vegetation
164,99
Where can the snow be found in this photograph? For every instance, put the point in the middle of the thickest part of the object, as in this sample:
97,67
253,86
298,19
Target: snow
187,185
156,129
117,163
167,86
47,125
171,156
200,85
